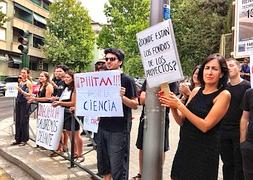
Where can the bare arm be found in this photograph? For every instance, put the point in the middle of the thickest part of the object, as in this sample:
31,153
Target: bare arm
244,125
220,107
66,104
131,103
142,97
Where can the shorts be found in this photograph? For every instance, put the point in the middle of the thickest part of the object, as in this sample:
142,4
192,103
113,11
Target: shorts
139,141
67,122
113,154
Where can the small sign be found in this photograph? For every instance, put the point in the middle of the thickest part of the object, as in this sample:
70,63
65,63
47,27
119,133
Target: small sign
159,54
90,124
11,89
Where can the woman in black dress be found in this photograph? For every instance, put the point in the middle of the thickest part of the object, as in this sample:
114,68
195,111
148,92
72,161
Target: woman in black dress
197,155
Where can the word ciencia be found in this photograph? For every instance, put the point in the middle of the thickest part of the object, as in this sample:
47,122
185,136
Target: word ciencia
99,105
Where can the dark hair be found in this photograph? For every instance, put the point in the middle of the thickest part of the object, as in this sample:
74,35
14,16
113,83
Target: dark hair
63,67
28,73
71,86
195,69
46,74
117,52
224,70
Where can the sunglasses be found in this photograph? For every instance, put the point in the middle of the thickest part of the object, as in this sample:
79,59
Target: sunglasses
19,77
110,58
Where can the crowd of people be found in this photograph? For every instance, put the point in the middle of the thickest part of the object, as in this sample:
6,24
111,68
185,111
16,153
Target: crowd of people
214,112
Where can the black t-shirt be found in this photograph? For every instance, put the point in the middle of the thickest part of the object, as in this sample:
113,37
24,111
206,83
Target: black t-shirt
248,106
61,86
232,118
120,124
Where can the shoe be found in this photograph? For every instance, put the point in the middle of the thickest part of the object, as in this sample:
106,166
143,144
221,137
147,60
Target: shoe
53,154
15,143
137,177
79,159
22,144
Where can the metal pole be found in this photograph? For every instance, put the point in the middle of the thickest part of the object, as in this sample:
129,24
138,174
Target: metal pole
153,143
72,140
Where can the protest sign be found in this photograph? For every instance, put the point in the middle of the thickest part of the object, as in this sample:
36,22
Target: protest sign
11,89
90,124
49,125
159,54
98,94
243,39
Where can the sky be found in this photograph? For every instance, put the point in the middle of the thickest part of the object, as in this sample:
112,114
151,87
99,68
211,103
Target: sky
95,9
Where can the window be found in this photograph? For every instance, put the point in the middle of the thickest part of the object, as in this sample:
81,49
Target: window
38,2
23,13
3,7
37,41
2,34
45,67
39,21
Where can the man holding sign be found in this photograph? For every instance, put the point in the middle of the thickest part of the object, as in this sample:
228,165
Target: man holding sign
114,132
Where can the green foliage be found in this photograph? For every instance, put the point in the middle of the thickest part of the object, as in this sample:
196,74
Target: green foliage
69,38
3,18
126,18
198,27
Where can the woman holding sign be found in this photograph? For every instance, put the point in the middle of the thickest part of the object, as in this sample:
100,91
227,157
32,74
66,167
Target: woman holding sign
22,115
197,156
68,99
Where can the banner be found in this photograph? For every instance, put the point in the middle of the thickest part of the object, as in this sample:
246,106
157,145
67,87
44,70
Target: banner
159,54
98,94
243,45
11,89
49,125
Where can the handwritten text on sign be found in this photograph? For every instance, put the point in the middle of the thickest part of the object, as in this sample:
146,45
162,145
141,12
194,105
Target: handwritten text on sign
159,54
98,94
49,125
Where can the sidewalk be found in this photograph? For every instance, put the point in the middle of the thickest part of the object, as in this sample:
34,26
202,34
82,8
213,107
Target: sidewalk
39,165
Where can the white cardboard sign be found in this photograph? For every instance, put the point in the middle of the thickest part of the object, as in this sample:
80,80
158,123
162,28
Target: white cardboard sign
11,89
49,125
159,54
98,94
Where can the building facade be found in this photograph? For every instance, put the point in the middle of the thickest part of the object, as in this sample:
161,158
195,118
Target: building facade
28,15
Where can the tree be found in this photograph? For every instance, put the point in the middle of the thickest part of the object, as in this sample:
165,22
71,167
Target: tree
198,27
3,18
69,38
125,19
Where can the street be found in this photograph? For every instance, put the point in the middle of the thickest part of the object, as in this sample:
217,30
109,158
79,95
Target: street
6,107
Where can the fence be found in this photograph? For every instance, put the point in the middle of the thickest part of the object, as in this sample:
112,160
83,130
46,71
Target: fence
70,155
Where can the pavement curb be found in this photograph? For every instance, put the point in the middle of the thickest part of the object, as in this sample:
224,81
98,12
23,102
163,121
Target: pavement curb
33,172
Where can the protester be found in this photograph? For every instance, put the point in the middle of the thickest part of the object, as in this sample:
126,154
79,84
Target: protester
230,126
114,132
245,69
246,135
185,89
45,90
197,156
68,99
100,65
59,86
139,141
22,107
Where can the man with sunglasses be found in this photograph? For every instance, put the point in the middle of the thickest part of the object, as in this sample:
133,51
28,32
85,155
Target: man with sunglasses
113,136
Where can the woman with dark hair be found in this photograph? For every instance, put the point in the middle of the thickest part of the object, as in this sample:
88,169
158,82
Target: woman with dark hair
45,90
197,156
185,89
22,115
68,99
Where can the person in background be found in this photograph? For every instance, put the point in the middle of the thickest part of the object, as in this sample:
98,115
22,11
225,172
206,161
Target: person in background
185,89
113,137
45,90
139,142
246,135
67,100
100,65
230,125
245,69
197,155
22,107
